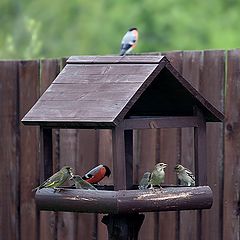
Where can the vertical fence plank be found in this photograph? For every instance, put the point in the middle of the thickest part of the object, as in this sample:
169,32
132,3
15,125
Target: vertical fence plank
87,156
104,157
29,145
9,171
146,159
66,221
231,216
169,153
192,63
212,87
170,149
90,147
48,220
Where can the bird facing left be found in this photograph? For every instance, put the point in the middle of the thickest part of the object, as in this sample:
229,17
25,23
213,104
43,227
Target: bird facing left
57,179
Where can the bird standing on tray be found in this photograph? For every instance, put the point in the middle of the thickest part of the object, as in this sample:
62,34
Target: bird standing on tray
185,176
157,175
96,174
82,184
129,41
144,182
57,179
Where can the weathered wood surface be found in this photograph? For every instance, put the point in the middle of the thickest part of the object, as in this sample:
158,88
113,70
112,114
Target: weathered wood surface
9,151
48,220
214,69
29,149
85,103
124,201
205,71
116,59
231,177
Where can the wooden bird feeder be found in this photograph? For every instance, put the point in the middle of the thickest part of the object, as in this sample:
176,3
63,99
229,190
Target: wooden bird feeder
122,94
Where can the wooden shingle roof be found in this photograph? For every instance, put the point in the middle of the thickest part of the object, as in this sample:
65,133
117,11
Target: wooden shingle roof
100,91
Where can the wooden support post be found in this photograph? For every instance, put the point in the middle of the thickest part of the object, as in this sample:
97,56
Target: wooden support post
200,156
119,163
200,150
128,139
123,227
46,153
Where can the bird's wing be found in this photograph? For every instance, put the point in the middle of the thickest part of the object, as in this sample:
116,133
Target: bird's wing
92,172
58,176
128,41
190,174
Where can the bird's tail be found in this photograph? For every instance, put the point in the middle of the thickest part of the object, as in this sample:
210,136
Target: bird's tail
35,189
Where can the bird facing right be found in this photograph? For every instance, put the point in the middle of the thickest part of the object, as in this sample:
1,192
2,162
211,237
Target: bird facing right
57,179
157,175
96,174
129,41
185,176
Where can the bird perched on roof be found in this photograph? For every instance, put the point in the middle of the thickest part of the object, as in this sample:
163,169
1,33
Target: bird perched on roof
129,41
157,175
82,184
144,182
57,179
185,176
96,174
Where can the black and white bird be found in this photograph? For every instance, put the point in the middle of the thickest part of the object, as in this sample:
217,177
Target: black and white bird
129,41
185,176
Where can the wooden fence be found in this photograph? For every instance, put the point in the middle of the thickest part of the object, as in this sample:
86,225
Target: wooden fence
216,74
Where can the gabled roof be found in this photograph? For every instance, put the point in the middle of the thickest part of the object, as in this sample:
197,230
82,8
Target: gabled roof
100,91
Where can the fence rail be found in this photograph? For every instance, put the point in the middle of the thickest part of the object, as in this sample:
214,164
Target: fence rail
216,74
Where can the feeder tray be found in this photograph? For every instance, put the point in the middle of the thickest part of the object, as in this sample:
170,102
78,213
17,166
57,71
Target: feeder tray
124,201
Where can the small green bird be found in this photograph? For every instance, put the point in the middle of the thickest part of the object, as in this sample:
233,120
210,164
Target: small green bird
144,182
185,176
82,184
57,179
157,175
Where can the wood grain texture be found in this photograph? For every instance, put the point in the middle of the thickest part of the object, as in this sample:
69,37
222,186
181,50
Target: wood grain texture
48,220
87,158
105,156
9,151
145,160
170,152
66,222
79,100
212,87
191,70
29,148
231,204
115,59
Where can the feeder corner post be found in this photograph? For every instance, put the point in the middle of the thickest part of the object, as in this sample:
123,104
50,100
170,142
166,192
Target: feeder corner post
46,157
122,144
200,149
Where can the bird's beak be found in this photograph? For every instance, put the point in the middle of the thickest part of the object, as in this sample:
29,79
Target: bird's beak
164,165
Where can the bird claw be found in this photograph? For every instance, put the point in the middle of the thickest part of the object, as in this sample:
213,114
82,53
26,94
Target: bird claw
57,190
